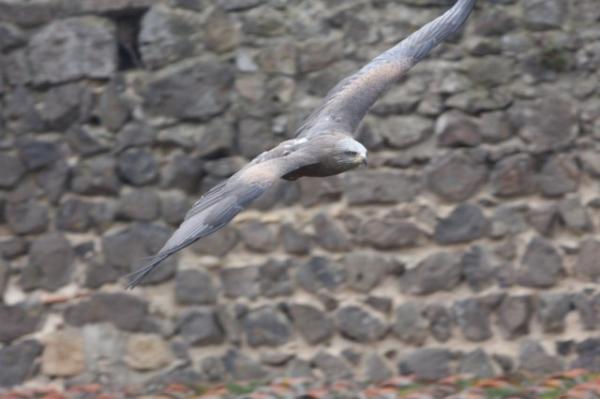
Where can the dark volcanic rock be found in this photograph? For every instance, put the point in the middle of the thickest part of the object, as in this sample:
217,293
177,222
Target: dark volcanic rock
266,326
274,278
388,233
534,359
12,170
73,215
560,175
28,217
473,320
240,281
193,89
241,367
124,311
514,176
365,270
358,325
140,205
541,15
575,216
477,269
373,187
201,328
588,265
332,367
514,315
17,362
294,241
409,324
466,223
441,271
441,322
73,48
320,273
312,323
259,237
457,176
137,166
427,364
552,309
96,176
194,287
542,265
217,244
51,261
18,320
37,154
330,234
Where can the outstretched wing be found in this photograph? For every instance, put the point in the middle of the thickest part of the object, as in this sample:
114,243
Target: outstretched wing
346,105
220,205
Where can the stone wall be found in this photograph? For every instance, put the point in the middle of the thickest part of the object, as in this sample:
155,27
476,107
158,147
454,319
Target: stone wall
469,245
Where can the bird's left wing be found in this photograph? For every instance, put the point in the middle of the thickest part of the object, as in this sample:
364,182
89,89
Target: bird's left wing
348,102
221,204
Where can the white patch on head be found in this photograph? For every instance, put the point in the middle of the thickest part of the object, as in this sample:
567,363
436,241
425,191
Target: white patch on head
349,144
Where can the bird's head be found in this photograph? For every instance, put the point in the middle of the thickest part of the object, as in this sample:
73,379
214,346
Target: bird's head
350,153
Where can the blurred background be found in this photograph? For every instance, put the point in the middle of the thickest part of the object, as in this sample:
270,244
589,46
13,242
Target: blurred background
469,245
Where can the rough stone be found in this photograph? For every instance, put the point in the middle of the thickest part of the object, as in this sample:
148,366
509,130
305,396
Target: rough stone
201,328
376,370
51,261
427,364
534,359
11,36
18,320
388,233
409,325
13,169
332,367
549,123
241,367
37,154
240,281
542,265
73,215
217,244
478,364
96,176
29,217
552,309
174,90
405,131
167,35
194,287
137,166
89,140
312,323
73,48
266,326
587,265
132,314
575,216
17,362
441,322
372,187
365,270
455,129
147,352
294,241
559,175
62,106
331,235
113,109
440,271
473,320
13,247
457,176
477,268
140,205
508,221
64,354
259,237
513,176
125,248
173,207
358,325
274,278
495,127
514,315
541,15
543,219
466,223
588,353
319,273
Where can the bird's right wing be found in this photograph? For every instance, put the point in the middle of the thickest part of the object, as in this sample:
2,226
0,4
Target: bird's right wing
221,204
348,102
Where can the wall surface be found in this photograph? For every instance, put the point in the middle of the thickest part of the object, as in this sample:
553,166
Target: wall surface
469,245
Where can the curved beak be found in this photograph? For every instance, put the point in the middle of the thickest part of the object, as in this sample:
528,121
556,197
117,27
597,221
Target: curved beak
364,161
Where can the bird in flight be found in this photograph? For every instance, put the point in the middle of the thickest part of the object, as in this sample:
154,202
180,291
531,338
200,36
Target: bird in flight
323,144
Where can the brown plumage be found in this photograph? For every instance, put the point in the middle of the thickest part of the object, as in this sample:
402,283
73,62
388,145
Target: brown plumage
324,145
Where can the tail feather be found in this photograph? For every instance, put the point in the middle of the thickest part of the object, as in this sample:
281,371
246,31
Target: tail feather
137,276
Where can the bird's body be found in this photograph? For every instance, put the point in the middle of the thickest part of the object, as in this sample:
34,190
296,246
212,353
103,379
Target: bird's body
323,145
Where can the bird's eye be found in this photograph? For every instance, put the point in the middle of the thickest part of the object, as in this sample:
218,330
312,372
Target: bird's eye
350,153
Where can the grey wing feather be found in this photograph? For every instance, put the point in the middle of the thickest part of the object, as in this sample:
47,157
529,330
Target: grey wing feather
218,207
348,102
